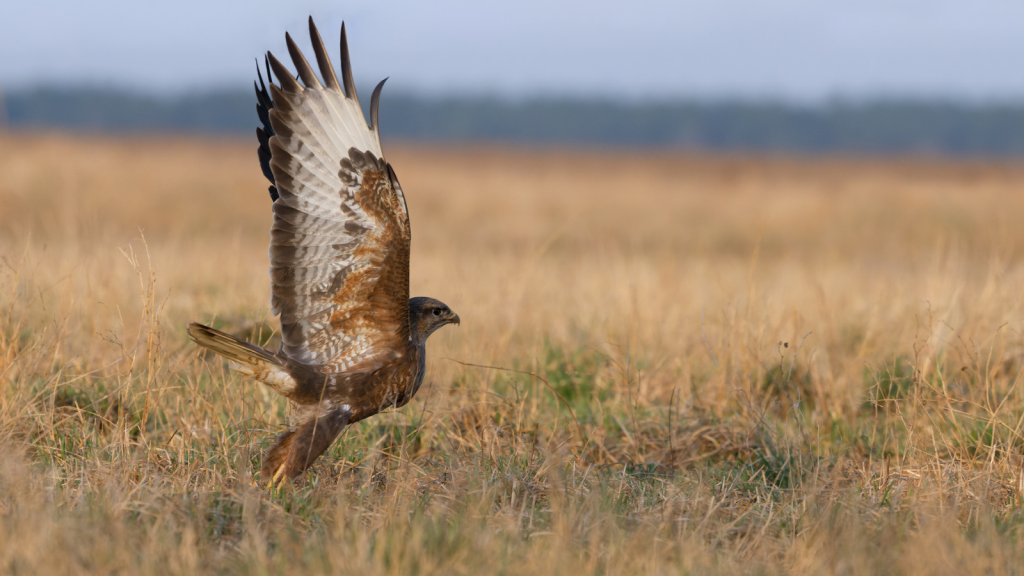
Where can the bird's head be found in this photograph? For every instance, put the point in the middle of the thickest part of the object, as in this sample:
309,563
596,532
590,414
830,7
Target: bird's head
427,315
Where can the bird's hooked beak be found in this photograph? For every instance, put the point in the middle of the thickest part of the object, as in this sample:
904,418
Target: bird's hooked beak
454,319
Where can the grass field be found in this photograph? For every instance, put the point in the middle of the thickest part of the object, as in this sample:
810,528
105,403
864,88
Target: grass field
717,365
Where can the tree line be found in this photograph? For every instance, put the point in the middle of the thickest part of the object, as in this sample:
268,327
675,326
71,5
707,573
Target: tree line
878,126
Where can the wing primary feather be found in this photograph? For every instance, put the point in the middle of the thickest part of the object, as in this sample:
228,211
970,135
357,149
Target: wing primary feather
266,62
322,59
374,106
284,77
305,72
346,68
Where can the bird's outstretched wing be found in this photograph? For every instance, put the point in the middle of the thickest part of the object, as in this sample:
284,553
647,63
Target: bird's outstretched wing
339,248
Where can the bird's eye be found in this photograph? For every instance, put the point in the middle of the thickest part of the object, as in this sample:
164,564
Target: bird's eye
437,311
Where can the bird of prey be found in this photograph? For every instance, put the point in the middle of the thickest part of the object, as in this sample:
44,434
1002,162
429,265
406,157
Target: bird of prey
352,340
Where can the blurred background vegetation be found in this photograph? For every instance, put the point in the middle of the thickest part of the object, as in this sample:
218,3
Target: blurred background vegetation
874,126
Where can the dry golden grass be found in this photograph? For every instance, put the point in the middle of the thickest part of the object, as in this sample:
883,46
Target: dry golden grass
773,365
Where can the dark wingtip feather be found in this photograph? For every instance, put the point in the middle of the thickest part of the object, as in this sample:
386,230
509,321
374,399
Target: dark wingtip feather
299,59
264,104
264,154
375,105
322,59
261,109
346,68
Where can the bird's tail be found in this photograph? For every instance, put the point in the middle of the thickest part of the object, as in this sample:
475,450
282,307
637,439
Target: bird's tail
246,358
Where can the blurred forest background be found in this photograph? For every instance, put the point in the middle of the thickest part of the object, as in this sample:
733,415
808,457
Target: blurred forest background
873,126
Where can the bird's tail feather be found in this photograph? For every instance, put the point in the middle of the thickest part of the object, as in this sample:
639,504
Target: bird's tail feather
246,358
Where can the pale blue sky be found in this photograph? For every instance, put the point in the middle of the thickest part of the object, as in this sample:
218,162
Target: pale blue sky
791,49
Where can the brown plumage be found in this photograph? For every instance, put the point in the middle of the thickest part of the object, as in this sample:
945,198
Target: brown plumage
352,341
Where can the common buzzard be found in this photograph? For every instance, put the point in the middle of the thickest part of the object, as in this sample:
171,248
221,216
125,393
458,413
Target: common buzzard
352,341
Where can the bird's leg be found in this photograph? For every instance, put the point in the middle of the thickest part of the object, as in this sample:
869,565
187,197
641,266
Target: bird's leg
297,448
278,476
